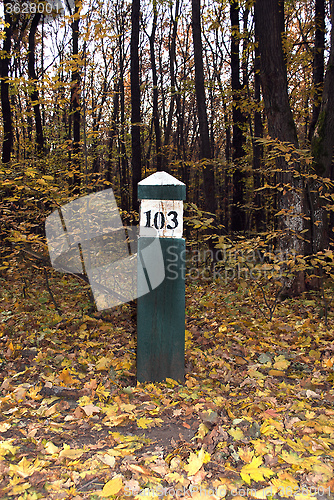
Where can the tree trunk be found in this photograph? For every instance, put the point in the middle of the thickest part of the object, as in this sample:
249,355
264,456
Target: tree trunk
7,144
281,126
238,140
206,153
172,61
135,103
33,79
124,178
75,99
318,62
156,120
258,148
112,134
322,149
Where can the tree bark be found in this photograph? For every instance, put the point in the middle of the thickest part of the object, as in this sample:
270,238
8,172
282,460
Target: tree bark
318,62
206,153
7,144
135,103
322,150
75,87
156,120
238,140
281,126
173,97
258,148
34,96
75,98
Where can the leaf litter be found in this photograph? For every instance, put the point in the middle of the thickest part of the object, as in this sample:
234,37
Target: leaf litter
254,417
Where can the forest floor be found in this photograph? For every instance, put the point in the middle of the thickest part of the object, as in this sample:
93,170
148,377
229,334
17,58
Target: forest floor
254,418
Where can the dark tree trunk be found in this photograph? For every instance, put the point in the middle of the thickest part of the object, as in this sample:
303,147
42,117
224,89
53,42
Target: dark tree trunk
273,71
34,92
135,103
75,87
323,148
112,134
238,213
318,62
156,120
257,148
206,153
174,97
7,144
124,178
281,126
75,99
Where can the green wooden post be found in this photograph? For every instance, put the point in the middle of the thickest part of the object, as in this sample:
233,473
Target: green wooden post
161,311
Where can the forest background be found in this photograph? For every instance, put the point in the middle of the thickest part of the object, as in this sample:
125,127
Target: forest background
234,98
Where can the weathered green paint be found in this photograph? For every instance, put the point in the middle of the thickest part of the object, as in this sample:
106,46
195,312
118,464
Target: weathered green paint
161,317
162,192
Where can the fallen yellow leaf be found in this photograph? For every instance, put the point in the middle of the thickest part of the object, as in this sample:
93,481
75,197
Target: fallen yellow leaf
202,431
237,433
254,471
68,453
107,459
67,378
195,462
281,363
246,454
7,447
4,426
291,458
19,488
51,448
145,423
112,487
25,468
103,364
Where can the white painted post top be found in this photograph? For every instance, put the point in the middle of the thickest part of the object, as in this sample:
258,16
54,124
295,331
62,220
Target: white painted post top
162,178
161,205
161,186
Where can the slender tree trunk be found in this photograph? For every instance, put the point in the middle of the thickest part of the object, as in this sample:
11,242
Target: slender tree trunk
7,144
124,161
238,140
34,96
156,120
112,134
281,126
318,62
135,103
257,148
75,94
206,153
75,98
172,61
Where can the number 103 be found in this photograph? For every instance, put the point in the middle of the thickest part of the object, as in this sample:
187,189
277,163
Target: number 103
159,219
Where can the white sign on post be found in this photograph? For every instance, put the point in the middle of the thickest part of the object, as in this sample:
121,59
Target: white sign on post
165,216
